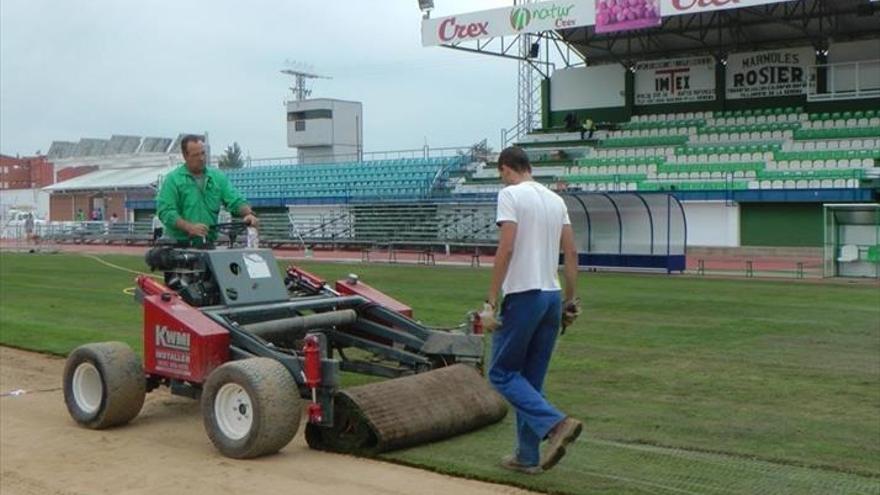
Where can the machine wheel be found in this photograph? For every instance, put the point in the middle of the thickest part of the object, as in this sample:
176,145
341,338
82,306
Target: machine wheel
104,385
251,407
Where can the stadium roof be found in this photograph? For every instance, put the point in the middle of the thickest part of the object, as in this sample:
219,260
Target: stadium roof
112,178
777,25
117,144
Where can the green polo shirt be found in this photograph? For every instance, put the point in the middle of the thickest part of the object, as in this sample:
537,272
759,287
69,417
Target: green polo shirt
181,196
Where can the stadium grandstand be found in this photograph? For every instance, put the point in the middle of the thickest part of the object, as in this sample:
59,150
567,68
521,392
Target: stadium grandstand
770,149
746,118
753,114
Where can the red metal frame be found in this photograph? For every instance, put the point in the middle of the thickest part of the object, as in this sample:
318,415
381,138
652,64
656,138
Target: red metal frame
359,288
180,342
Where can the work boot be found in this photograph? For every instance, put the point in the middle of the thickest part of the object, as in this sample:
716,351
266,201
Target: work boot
563,434
512,463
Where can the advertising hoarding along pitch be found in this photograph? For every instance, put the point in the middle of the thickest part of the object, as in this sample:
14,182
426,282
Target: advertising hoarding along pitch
675,81
769,73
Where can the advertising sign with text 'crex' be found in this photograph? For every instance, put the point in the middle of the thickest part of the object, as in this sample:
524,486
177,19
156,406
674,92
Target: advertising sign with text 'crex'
507,21
682,7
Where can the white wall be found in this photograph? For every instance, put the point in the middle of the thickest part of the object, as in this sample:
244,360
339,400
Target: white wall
35,200
601,86
712,223
843,77
343,128
854,51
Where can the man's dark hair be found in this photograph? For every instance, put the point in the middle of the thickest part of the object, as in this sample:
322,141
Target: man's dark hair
189,138
515,158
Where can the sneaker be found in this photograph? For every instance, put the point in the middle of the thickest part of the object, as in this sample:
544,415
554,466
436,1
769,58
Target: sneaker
510,462
565,432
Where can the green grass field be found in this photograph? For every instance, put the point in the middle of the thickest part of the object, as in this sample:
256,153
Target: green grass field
687,386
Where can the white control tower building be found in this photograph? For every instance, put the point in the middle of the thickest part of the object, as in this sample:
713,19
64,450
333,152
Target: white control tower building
323,130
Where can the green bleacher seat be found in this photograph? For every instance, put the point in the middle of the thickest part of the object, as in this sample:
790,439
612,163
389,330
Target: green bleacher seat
837,133
693,186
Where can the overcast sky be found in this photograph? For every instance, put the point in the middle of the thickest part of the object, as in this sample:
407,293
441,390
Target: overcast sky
92,68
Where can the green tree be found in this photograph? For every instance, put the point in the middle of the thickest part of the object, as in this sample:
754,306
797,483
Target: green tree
231,158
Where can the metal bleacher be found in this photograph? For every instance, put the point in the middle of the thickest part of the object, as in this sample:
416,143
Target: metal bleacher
155,145
760,149
377,180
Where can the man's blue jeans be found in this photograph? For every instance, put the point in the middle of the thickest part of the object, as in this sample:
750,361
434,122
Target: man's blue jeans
521,351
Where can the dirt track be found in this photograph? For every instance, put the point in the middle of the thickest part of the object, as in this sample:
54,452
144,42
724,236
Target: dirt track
165,450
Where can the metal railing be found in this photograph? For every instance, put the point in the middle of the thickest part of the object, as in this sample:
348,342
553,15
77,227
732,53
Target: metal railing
423,153
845,81
343,225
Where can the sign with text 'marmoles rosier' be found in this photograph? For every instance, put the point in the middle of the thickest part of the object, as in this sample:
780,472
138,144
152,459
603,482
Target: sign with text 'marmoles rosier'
770,73
675,81
548,16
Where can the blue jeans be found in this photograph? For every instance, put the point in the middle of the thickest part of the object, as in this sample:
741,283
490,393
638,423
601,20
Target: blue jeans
521,351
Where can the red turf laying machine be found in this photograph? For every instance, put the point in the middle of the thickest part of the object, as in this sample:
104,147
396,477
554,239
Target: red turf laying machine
228,329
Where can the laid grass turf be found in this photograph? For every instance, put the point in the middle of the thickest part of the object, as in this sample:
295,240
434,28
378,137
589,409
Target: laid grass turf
686,385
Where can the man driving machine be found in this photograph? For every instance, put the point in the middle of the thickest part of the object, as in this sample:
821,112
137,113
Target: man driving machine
191,195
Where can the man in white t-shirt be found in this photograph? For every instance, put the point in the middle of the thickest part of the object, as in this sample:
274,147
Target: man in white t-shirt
534,223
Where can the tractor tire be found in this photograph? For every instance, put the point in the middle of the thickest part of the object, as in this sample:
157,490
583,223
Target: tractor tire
251,407
104,385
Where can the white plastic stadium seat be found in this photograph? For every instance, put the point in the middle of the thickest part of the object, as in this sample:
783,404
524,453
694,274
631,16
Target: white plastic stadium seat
848,253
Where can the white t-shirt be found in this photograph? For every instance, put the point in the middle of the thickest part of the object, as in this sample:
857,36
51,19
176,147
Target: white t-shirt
539,214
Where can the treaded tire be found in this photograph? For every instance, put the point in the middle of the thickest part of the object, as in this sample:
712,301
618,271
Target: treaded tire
104,385
267,403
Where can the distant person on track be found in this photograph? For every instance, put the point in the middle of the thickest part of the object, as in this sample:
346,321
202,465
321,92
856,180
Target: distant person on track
190,198
534,223
29,228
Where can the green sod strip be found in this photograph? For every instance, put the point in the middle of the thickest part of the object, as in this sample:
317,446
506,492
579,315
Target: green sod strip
686,385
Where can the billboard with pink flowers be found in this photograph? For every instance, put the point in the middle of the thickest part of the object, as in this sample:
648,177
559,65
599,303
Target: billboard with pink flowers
626,15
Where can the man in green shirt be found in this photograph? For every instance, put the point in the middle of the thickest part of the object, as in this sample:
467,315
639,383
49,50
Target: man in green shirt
189,200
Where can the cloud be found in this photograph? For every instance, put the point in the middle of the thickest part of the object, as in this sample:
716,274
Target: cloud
101,67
